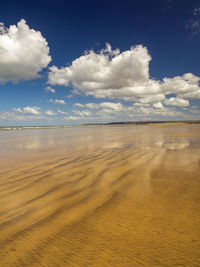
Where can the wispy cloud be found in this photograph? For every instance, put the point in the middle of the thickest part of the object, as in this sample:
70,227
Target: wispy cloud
58,101
49,89
196,11
193,24
28,110
108,105
50,112
178,102
175,108
61,112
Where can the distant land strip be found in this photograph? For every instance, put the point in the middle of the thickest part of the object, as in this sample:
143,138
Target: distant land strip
4,128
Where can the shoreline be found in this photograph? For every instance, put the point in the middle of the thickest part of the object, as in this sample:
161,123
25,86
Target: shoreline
137,123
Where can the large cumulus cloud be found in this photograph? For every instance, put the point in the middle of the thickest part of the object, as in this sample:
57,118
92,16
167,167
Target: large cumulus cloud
114,75
23,52
111,74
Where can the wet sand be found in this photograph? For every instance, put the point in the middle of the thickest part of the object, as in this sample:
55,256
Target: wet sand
100,196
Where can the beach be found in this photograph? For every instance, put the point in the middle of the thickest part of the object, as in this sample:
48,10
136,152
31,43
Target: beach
113,195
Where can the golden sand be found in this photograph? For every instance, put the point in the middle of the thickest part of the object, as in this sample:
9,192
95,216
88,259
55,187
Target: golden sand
100,196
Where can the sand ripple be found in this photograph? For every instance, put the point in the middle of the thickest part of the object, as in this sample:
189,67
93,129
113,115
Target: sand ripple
113,196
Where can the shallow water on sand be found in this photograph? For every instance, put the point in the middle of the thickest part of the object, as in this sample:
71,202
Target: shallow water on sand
100,196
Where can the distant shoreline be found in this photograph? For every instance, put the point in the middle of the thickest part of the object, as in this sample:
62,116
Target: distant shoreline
8,128
143,123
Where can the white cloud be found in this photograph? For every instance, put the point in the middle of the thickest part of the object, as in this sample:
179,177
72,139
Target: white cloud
79,105
158,105
61,111
178,102
23,52
28,110
160,113
83,113
58,101
49,89
129,113
111,74
73,118
69,96
33,111
99,110
114,75
181,85
108,105
49,112
18,110
118,112
142,104
13,116
103,112
26,114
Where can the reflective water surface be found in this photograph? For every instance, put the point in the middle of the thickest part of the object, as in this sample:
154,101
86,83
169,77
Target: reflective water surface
100,196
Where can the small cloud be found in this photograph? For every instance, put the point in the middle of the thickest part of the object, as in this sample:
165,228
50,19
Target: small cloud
178,102
58,101
194,23
79,105
61,112
83,113
18,110
69,96
49,89
50,113
158,105
28,110
196,11
141,104
73,118
108,105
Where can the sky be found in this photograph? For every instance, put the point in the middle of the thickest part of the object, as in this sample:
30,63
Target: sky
97,61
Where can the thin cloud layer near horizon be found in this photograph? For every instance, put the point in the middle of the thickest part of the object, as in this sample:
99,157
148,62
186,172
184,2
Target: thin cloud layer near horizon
67,72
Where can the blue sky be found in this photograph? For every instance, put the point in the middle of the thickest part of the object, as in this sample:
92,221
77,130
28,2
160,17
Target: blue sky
73,62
